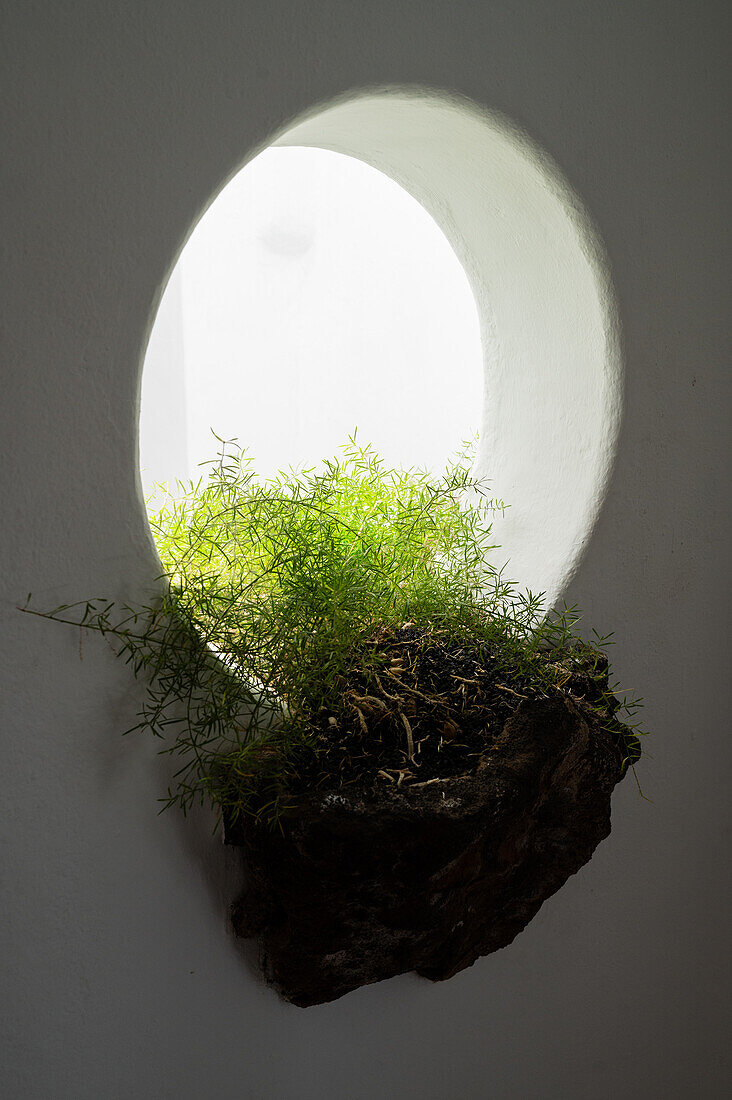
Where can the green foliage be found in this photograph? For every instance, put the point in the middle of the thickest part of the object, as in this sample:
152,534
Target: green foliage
273,589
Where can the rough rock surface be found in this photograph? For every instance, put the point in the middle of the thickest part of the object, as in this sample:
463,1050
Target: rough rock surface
360,887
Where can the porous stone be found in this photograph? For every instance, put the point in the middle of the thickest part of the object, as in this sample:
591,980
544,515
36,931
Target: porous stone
361,885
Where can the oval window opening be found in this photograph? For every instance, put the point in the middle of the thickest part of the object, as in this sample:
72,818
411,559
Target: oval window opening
408,264
314,297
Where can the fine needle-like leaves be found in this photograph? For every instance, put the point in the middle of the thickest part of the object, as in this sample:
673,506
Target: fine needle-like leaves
272,588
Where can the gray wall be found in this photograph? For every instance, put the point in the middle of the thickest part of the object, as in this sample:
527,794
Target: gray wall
121,980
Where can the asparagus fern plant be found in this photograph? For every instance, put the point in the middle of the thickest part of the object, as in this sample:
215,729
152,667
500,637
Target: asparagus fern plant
273,590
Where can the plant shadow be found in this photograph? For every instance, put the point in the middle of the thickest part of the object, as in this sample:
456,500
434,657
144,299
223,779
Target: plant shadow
219,867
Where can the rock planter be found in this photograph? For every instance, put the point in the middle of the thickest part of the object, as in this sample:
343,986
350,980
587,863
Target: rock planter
360,885
411,754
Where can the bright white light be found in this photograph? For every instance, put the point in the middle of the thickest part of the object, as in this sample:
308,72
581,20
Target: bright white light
315,296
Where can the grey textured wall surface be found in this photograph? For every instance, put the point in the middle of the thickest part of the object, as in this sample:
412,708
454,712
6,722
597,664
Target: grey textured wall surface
121,979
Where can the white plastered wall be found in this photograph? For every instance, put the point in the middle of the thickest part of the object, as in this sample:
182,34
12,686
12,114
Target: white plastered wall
120,977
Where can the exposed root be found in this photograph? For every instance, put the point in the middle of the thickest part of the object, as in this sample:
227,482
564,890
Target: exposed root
362,720
410,738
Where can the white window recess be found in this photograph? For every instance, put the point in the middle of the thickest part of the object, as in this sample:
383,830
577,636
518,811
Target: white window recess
315,295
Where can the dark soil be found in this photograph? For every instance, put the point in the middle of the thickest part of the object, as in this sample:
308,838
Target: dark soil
420,709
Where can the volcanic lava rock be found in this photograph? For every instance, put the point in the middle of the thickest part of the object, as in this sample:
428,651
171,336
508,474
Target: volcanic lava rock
360,885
